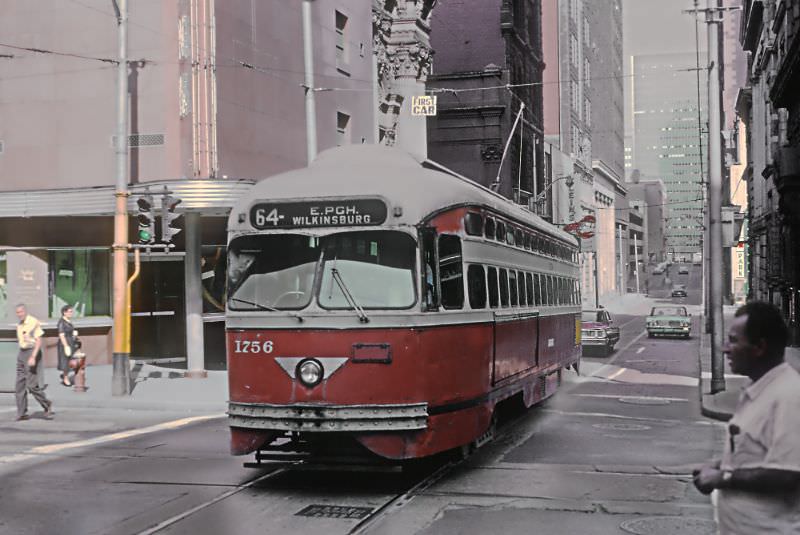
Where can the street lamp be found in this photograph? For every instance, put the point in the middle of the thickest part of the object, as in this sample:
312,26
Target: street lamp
570,183
536,201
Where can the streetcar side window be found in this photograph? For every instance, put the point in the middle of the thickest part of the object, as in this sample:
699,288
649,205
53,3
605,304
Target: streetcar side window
510,236
529,288
528,241
549,293
521,288
503,287
489,230
512,285
451,272
500,234
492,283
537,289
473,224
519,237
577,290
429,287
476,284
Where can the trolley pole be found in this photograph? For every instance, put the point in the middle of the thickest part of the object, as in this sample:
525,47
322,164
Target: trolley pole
308,85
120,379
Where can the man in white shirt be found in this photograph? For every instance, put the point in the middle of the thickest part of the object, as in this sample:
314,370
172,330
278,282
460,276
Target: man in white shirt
758,477
29,339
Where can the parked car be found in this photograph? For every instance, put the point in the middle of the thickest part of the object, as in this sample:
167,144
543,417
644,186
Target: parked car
679,290
658,270
597,331
683,270
669,321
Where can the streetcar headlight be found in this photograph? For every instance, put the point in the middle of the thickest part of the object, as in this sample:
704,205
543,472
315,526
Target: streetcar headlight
309,372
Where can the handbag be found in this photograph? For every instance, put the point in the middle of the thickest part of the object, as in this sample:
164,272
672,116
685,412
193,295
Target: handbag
76,344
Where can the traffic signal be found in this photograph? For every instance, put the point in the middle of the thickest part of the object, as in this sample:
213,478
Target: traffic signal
168,217
147,220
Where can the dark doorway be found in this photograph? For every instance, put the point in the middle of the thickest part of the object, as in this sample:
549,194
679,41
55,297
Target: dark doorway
158,319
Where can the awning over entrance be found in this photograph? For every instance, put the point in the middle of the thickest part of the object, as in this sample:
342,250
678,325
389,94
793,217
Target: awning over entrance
210,197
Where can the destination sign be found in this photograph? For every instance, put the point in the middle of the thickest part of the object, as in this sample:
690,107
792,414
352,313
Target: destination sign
356,212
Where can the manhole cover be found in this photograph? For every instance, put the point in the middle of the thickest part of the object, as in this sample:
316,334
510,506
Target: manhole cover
644,401
622,427
669,525
335,511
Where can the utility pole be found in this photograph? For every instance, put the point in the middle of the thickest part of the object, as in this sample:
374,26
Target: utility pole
121,375
636,261
621,264
714,20
308,65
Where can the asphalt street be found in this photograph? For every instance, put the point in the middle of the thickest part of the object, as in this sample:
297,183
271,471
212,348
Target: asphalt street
611,453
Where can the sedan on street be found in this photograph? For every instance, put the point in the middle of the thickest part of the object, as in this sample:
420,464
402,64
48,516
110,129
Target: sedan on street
679,290
683,270
597,331
669,321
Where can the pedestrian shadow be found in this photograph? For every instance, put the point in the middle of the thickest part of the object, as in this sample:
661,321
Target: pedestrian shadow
138,376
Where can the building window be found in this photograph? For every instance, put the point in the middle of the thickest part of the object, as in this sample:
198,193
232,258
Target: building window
342,60
81,279
342,129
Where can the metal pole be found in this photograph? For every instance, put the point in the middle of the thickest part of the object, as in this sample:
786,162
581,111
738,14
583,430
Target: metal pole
120,378
636,261
308,65
596,285
621,264
715,200
195,363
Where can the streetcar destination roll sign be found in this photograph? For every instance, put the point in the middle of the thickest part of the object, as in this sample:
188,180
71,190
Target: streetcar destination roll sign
356,212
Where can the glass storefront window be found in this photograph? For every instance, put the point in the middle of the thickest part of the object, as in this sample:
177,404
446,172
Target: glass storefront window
80,278
3,286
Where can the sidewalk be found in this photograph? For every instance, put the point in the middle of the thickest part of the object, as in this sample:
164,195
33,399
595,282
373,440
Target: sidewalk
154,388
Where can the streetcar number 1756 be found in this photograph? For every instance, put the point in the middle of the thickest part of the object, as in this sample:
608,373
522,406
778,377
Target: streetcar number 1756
252,346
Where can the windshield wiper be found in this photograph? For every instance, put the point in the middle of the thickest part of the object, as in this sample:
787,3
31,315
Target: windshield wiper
265,307
257,305
362,316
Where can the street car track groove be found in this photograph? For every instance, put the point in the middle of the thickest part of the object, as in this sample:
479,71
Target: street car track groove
404,498
177,518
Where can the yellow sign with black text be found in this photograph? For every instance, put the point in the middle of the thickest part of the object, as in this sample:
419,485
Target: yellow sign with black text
423,105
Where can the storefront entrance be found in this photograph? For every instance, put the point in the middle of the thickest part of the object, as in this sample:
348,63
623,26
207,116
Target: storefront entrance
158,323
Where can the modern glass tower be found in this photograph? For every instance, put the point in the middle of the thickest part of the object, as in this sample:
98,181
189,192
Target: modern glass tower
669,141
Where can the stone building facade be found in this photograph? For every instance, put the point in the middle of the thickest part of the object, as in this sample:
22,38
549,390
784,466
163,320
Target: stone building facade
480,48
770,107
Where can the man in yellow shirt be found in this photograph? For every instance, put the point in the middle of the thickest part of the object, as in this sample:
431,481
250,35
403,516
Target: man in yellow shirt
29,337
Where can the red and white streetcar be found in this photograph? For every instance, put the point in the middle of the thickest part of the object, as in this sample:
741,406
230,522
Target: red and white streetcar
378,300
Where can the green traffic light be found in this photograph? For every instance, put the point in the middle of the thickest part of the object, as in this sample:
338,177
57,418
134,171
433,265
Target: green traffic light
145,236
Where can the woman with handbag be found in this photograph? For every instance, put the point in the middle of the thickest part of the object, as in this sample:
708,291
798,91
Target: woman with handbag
66,343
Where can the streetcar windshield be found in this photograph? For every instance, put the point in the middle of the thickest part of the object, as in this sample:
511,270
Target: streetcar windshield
278,271
271,271
376,267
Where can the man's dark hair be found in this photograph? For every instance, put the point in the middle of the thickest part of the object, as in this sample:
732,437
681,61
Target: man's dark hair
765,322
65,308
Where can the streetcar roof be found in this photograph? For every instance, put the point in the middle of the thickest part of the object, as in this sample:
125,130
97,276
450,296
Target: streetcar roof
419,187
